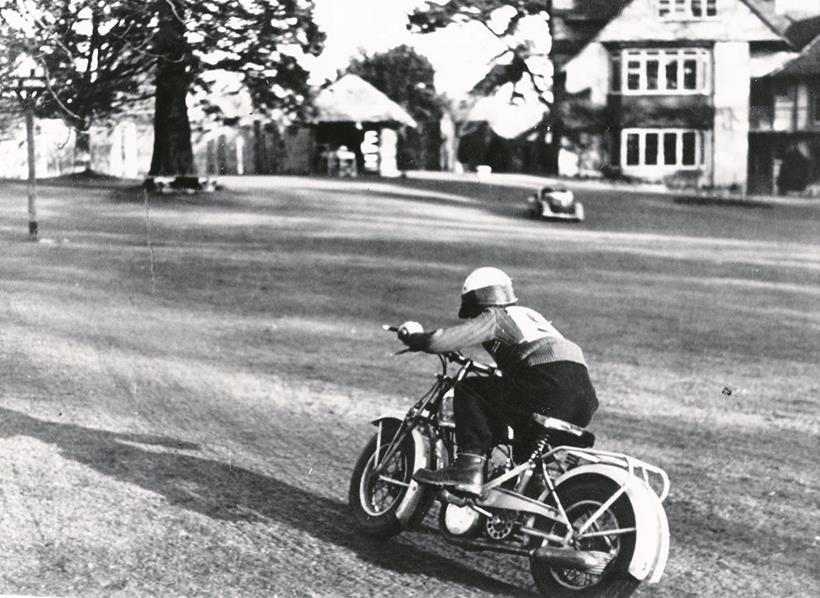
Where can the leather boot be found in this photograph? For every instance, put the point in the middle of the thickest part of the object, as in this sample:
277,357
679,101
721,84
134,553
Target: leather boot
466,474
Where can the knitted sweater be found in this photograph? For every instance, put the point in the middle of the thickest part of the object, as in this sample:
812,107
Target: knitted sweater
514,336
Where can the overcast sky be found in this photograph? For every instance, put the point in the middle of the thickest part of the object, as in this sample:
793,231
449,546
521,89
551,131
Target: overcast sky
459,54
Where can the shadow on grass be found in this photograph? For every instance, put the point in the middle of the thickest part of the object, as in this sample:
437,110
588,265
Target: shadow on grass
510,208
223,492
136,195
697,200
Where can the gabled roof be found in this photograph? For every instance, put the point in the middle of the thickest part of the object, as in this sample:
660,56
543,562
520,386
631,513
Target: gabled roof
765,12
352,99
801,32
593,15
805,64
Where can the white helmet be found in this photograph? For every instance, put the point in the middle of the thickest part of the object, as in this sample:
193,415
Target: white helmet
485,287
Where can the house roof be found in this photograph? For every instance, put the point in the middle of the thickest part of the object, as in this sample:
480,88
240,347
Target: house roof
802,31
805,63
764,9
352,99
582,24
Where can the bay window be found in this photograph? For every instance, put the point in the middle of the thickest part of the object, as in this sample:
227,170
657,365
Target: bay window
660,71
679,149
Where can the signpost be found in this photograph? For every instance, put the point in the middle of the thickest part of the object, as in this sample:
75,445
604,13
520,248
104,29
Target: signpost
29,82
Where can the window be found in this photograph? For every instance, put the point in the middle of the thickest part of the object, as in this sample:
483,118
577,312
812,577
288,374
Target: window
670,148
784,113
615,74
688,143
664,148
633,75
684,71
816,105
633,149
652,74
671,81
650,145
686,9
690,74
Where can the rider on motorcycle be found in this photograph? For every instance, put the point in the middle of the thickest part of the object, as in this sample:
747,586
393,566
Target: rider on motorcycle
542,372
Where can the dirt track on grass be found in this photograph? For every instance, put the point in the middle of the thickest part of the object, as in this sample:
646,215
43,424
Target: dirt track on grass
183,397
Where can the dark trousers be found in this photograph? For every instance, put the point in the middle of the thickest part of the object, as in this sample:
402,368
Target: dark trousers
485,406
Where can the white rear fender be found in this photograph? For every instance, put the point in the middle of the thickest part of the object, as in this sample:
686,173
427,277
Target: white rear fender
387,426
651,526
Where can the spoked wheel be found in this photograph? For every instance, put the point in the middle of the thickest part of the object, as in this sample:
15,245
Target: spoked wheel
581,499
382,504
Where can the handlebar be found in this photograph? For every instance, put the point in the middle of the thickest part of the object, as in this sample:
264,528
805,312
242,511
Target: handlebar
476,366
457,357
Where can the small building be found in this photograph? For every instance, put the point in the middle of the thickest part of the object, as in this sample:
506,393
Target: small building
349,116
350,113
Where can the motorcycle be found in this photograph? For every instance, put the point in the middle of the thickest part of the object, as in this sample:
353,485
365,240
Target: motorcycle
591,522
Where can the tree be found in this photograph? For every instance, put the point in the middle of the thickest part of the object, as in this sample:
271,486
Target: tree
519,75
100,54
92,50
523,63
407,78
261,39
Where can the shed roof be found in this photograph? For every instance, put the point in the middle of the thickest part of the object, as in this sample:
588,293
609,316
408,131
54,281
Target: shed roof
352,99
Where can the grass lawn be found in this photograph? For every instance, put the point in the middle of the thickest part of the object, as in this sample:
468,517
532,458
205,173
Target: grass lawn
186,382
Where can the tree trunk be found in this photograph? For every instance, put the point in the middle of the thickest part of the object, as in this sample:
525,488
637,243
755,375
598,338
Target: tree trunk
82,150
173,154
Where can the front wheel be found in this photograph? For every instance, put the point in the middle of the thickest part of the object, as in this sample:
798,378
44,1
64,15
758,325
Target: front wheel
385,504
581,498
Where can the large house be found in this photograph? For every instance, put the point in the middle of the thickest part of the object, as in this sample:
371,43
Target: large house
710,93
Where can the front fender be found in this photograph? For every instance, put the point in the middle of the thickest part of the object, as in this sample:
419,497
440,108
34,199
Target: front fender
651,525
388,424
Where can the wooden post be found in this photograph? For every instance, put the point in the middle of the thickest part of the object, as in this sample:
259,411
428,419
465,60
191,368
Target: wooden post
32,173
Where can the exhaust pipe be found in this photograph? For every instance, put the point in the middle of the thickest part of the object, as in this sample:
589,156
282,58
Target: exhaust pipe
591,561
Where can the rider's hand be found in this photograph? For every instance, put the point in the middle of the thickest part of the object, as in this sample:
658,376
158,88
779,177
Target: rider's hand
407,329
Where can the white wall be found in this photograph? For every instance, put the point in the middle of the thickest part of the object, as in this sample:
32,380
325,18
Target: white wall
123,150
731,100
589,70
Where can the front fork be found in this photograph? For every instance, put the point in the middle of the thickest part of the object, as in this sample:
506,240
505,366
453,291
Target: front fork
395,443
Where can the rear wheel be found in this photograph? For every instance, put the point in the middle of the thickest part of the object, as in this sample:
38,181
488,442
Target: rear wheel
581,498
376,499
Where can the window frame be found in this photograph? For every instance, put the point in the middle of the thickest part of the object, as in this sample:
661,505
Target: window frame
660,146
684,10
635,62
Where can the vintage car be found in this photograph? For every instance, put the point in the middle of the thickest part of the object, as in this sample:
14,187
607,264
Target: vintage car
555,203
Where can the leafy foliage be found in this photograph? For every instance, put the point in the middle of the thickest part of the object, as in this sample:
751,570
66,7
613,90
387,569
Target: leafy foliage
524,63
100,54
94,53
407,78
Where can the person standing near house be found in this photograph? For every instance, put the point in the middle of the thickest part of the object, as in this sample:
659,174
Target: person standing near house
542,372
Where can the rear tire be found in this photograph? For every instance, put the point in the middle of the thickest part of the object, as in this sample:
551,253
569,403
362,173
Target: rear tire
374,502
580,498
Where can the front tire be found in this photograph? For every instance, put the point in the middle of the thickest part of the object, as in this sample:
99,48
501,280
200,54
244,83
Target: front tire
581,497
375,501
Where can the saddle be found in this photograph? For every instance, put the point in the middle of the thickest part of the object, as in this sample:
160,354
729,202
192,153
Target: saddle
563,433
